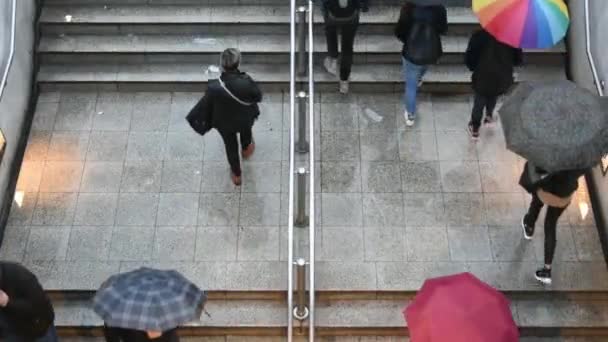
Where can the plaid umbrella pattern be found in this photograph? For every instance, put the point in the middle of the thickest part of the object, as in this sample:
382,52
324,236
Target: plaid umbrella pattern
149,299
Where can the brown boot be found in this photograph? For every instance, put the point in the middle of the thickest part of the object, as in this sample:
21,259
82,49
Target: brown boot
235,179
248,151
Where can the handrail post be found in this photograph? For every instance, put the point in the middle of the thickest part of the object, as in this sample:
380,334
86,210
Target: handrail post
301,218
301,35
599,83
11,53
300,312
302,143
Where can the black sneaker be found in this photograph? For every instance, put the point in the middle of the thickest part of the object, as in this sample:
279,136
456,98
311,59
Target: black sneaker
543,275
528,230
474,133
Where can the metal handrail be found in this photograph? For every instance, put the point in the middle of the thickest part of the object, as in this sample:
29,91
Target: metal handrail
596,78
292,121
311,188
12,48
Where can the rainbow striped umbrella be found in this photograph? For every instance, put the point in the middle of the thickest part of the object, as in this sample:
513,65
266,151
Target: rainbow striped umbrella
529,24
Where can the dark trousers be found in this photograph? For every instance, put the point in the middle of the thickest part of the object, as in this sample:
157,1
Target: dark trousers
482,102
8,336
232,147
551,218
348,32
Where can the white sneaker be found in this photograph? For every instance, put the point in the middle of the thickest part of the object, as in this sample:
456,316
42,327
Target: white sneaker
331,65
409,122
344,87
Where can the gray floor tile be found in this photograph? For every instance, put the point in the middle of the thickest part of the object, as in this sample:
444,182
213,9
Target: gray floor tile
345,275
151,112
455,145
341,210
259,209
451,112
22,209
417,146
61,177
184,146
181,104
340,177
101,177
507,275
460,176
469,244
30,176
343,244
55,209
580,275
137,209
75,115
216,178
14,243
464,209
37,146
499,177
44,118
261,176
504,209
266,147
377,116
339,117
146,146
68,146
141,176
113,112
508,244
214,147
427,244
181,176
48,243
410,276
384,243
96,209
420,177
271,117
217,243
177,209
379,146
258,244
251,275
339,146
72,275
89,243
219,209
132,243
383,210
565,249
492,147
174,243
107,146
423,209
587,242
381,177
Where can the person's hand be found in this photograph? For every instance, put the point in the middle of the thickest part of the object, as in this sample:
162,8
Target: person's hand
3,299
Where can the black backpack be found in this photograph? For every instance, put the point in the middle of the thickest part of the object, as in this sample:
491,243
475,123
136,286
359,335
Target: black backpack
493,75
339,14
423,45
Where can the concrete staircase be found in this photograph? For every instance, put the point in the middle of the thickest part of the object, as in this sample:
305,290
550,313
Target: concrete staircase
149,45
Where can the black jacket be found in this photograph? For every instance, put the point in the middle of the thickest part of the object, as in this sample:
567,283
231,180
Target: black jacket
224,112
29,309
440,20
479,40
129,335
363,5
561,184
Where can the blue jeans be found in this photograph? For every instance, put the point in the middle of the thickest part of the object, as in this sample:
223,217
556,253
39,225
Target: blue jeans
412,74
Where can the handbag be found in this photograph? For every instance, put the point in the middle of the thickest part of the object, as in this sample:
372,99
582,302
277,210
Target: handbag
199,118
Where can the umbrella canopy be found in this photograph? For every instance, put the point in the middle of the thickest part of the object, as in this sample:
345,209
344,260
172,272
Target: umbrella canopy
557,126
460,308
529,24
149,299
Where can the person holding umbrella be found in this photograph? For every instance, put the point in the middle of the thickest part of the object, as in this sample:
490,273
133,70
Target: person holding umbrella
147,305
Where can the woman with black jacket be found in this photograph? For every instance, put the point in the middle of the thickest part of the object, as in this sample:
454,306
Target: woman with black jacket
130,335
554,190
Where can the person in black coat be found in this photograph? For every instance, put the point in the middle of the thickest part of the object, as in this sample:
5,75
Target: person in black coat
26,312
554,190
492,65
129,335
231,106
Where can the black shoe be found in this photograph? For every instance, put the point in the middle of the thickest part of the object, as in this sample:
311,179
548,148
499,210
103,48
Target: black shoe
474,133
543,275
488,120
528,230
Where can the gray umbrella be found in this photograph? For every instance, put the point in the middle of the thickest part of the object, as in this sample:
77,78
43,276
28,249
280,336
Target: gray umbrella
557,126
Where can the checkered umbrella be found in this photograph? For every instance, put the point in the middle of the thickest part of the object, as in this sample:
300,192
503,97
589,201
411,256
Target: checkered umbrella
149,299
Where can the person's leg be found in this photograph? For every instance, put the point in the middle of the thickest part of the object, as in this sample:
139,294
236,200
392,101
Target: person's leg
247,142
544,274
479,104
232,151
490,105
412,75
529,220
347,47
51,336
331,36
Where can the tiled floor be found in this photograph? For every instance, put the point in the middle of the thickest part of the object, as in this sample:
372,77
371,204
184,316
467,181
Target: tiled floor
112,181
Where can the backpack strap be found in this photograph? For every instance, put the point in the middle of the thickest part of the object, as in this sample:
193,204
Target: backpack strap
232,95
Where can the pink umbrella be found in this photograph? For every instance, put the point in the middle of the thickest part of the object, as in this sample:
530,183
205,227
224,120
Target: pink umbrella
460,308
